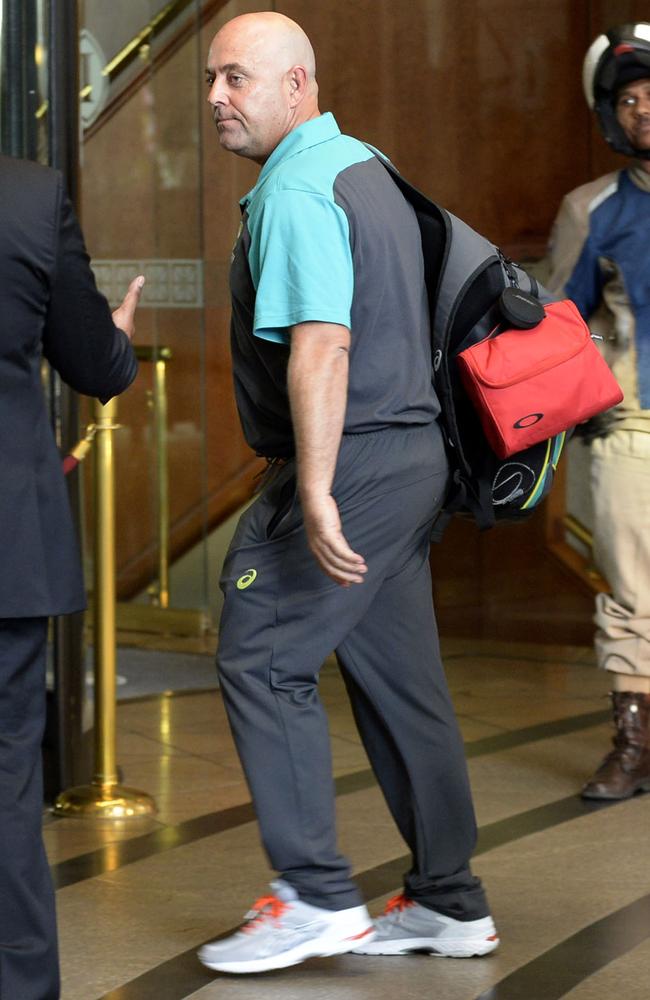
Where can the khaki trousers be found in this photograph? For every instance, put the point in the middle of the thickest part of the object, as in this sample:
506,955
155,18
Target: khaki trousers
620,479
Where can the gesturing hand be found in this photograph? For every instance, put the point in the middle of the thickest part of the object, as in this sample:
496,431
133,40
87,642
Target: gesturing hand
124,315
328,544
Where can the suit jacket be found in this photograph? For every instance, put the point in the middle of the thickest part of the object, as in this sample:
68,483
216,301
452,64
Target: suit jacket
49,307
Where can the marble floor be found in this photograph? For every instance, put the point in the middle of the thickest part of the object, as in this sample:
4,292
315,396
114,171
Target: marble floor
568,882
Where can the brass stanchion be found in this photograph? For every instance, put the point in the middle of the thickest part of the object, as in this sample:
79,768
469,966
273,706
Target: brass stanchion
104,797
160,400
160,356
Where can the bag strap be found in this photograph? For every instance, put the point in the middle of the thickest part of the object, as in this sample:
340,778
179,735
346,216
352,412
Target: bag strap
466,252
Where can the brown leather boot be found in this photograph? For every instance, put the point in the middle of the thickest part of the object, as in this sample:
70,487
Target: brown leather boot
626,769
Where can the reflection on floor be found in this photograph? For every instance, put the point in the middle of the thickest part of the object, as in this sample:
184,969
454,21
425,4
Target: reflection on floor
567,882
145,671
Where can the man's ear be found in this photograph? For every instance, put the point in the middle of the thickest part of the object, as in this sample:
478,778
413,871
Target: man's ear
297,84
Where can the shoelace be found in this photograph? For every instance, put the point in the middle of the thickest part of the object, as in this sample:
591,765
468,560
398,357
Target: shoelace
399,902
264,908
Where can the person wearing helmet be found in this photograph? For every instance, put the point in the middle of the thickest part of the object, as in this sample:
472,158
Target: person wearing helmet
600,257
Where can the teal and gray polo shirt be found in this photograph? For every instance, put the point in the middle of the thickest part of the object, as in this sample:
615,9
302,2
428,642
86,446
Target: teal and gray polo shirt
327,236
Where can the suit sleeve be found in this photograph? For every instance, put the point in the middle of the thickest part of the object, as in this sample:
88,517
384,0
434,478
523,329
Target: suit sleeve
80,339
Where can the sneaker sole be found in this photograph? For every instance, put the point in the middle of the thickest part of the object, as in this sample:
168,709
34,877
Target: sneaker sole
322,947
452,948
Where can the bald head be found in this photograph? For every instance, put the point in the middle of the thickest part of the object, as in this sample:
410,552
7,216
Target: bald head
261,73
271,39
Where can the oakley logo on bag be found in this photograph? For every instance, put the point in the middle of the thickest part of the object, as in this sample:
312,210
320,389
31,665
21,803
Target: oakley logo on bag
528,421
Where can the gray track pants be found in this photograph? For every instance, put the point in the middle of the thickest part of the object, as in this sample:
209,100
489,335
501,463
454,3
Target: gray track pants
282,617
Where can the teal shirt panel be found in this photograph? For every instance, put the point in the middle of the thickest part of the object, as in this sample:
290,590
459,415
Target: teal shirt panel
301,263
300,257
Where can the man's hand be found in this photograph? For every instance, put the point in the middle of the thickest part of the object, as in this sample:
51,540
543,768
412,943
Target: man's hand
328,544
124,315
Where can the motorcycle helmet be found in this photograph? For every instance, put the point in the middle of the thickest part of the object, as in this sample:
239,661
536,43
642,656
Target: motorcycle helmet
615,58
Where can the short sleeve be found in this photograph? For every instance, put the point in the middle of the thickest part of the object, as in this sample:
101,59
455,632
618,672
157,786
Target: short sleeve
301,263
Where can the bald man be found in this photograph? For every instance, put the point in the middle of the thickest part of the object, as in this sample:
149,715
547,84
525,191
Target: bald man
332,369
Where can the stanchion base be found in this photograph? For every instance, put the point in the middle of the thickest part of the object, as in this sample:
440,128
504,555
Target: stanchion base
104,802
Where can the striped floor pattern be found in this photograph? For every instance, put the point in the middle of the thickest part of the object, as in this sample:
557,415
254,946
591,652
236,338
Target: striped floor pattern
567,880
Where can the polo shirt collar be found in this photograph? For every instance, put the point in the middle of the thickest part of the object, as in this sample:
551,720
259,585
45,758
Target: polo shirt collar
310,133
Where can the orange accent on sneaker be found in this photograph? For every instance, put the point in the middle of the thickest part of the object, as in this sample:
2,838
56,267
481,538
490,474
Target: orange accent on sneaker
399,902
265,908
492,937
357,937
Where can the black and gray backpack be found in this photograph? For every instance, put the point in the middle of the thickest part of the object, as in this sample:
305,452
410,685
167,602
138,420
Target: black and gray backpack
466,278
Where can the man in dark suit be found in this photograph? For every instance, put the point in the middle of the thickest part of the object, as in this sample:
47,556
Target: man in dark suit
49,307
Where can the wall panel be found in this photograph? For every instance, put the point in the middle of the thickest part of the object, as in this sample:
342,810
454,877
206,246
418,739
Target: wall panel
487,119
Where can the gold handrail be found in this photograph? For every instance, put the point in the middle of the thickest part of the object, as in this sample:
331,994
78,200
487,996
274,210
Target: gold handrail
582,565
130,51
578,530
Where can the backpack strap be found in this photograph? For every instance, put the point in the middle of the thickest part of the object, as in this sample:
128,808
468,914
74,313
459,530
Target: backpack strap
469,254
465,253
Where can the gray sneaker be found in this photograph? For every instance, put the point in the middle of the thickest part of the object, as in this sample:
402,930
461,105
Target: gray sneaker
405,926
280,930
